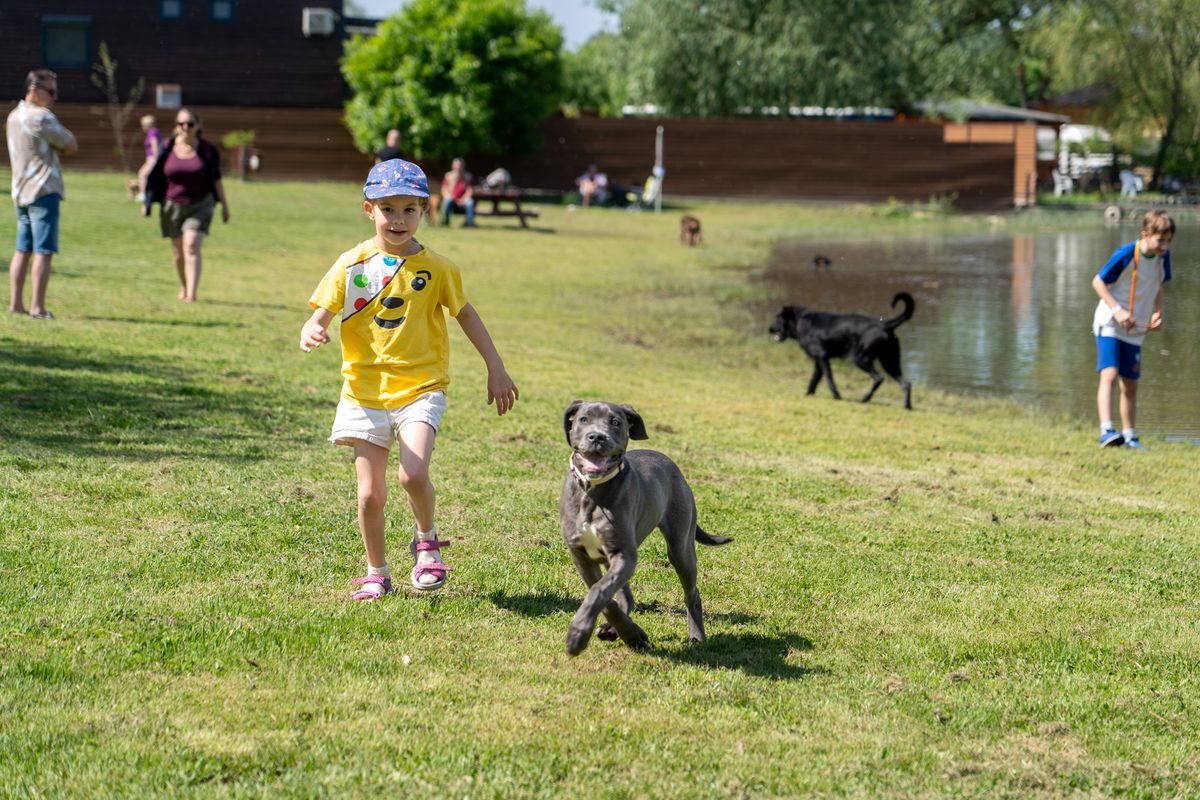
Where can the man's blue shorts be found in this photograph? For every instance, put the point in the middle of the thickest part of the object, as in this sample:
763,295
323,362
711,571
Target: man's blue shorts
1126,357
37,225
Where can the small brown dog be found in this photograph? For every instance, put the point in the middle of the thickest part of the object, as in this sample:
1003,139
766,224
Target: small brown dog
821,262
689,230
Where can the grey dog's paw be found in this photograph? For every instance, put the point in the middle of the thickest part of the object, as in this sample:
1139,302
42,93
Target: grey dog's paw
577,640
606,633
638,640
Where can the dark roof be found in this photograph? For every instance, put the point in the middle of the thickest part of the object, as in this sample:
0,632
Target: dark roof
987,112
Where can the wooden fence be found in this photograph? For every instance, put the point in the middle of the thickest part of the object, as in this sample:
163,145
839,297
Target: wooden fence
751,158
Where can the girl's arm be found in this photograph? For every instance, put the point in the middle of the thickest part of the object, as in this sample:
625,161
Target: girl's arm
315,331
501,388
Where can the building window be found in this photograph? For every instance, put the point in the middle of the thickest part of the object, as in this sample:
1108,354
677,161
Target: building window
222,10
170,9
67,42
168,95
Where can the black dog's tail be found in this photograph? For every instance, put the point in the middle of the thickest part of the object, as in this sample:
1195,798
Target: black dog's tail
704,537
905,315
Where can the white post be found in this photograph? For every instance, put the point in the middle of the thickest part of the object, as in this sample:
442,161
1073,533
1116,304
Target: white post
658,168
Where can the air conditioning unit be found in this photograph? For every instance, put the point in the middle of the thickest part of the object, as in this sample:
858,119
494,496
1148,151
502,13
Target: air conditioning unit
168,95
318,21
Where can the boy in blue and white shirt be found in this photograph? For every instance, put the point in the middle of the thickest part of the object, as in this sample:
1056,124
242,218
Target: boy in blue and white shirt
1131,305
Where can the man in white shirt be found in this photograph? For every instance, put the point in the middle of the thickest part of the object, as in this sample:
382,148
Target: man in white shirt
35,139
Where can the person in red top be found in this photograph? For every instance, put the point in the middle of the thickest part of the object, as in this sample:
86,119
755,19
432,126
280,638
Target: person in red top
457,193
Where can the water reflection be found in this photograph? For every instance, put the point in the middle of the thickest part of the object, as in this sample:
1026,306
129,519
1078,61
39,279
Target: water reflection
1009,314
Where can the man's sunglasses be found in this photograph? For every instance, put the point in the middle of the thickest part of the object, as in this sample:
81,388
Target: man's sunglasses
52,91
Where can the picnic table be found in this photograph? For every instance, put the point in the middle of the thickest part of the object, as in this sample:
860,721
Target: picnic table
509,196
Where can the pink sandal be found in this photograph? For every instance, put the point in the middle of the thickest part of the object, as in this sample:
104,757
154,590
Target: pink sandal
435,568
373,587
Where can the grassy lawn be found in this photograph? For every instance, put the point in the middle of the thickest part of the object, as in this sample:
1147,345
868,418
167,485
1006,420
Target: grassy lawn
968,600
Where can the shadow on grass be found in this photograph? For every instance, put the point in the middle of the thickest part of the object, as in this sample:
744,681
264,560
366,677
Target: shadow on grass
752,653
266,306
117,404
175,323
544,604
539,604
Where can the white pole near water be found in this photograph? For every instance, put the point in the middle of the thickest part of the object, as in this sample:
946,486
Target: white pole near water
659,172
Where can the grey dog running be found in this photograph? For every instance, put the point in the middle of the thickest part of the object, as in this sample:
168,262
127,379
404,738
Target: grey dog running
611,500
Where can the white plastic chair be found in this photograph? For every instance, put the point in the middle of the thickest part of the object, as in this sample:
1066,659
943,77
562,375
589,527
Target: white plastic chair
1131,183
1063,184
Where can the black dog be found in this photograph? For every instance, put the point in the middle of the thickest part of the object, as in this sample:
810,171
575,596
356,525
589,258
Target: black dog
825,335
821,262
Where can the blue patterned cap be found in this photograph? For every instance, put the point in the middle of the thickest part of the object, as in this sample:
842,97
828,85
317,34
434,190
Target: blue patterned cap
393,178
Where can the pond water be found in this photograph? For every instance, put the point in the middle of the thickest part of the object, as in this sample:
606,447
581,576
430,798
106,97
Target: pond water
1007,314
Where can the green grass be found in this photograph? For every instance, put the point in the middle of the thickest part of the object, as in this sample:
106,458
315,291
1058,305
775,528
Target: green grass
968,600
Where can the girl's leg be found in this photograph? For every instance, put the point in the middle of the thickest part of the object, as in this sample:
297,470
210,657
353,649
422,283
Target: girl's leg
370,463
177,256
1128,403
142,174
416,449
1104,394
192,263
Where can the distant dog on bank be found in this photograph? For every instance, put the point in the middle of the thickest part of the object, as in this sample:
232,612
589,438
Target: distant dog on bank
689,230
611,500
822,263
825,335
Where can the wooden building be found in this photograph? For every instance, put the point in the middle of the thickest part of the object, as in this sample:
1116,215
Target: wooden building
271,66
243,53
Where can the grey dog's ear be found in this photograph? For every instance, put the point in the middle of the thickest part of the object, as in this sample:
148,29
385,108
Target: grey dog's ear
637,428
569,416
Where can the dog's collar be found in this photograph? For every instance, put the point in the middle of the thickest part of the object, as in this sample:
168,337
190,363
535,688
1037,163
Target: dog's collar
586,483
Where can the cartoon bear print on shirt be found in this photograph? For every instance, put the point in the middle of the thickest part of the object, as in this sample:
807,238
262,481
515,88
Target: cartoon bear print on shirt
367,279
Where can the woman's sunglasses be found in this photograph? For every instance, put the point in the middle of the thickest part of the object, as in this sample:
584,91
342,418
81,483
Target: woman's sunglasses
188,124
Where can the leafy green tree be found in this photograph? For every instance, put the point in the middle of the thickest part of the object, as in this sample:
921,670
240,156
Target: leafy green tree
455,76
718,58
723,57
1148,52
594,76
990,49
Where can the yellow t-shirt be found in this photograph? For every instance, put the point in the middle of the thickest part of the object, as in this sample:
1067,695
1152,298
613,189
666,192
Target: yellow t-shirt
394,341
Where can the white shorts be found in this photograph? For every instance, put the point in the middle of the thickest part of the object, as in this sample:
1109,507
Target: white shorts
354,423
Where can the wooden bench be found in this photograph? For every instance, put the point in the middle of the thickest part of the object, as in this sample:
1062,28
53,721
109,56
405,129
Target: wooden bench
497,197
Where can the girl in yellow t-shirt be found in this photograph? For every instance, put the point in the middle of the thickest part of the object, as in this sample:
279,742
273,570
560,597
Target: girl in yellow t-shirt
390,292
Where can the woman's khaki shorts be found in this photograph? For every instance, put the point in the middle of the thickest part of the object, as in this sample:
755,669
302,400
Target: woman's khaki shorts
354,423
178,217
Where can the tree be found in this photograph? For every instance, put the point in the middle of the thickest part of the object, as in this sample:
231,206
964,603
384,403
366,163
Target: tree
1148,51
724,57
594,76
990,50
118,113
455,76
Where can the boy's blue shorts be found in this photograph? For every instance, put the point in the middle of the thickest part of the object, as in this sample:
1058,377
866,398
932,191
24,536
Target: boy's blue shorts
1126,357
37,225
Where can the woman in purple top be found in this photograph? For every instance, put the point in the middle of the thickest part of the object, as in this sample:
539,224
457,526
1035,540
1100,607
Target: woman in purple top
186,179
